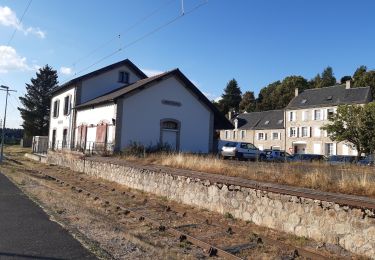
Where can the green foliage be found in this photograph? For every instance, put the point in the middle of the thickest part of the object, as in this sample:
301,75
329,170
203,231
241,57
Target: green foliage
248,102
231,98
140,150
12,136
278,94
364,78
37,102
344,79
354,124
325,80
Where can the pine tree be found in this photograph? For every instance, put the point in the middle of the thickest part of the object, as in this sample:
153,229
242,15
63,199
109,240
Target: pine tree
248,102
37,102
325,80
231,98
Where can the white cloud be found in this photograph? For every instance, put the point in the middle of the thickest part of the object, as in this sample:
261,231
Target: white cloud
10,60
66,70
151,72
9,18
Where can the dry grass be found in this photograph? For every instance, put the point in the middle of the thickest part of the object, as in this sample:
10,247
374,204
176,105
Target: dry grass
349,179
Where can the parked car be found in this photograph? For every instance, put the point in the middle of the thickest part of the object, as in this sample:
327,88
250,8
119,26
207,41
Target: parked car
306,158
368,160
341,159
276,155
240,150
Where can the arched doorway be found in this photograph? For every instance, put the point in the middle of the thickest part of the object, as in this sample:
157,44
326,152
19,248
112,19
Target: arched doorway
170,133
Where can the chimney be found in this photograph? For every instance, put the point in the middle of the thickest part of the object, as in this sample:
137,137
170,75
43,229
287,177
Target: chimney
296,92
230,115
347,84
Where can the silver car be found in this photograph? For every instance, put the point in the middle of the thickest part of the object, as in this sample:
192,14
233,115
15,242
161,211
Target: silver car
240,150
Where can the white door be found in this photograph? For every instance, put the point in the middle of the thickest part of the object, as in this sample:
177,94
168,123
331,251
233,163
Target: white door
169,137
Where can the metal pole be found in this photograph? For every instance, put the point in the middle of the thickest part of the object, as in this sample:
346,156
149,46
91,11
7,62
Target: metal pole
3,132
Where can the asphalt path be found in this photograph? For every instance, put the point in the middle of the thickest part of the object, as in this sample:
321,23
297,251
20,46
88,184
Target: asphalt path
26,232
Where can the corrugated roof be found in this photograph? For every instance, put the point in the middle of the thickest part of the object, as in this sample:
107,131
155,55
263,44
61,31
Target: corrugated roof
272,119
220,121
335,95
125,62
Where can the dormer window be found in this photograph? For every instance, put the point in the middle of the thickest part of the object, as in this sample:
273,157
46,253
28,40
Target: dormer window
303,101
280,121
329,98
267,122
123,77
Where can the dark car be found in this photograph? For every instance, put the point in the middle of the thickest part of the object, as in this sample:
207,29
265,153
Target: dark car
275,155
368,160
306,158
341,159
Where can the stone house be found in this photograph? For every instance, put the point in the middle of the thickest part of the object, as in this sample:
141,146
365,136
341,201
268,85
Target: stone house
308,111
300,130
263,129
118,105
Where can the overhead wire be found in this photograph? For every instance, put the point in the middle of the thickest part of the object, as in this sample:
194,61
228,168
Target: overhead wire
19,22
139,22
145,36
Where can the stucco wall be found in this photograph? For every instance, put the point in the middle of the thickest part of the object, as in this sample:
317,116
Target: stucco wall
62,121
351,228
103,83
92,116
251,136
316,140
142,112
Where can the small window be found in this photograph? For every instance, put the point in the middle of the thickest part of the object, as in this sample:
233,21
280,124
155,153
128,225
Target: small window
329,98
292,116
227,134
280,121
275,136
293,132
303,101
67,105
317,114
170,125
234,134
243,134
260,136
123,77
330,113
56,106
304,132
267,122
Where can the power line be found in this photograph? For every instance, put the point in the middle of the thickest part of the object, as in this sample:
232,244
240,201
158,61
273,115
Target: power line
139,22
19,22
145,36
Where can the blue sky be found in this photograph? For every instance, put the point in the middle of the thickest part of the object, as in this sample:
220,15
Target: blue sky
255,42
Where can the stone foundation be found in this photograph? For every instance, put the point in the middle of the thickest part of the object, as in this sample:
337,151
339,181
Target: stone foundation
351,228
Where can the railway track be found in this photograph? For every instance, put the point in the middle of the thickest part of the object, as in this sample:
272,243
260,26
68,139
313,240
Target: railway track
215,239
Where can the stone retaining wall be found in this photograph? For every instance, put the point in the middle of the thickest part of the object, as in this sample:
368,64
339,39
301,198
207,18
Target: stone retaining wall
351,228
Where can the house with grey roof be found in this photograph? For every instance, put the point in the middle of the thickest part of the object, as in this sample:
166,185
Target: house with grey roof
308,111
118,105
263,129
299,124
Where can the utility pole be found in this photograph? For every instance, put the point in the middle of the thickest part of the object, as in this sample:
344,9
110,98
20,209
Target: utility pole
4,88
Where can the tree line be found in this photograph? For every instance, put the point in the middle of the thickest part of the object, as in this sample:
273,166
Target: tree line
278,94
12,135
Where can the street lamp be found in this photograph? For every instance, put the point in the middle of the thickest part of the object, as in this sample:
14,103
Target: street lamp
5,88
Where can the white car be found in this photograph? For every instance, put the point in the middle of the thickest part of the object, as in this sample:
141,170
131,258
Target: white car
240,150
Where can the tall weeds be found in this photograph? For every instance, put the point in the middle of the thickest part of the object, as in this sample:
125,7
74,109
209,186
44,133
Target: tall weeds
349,179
